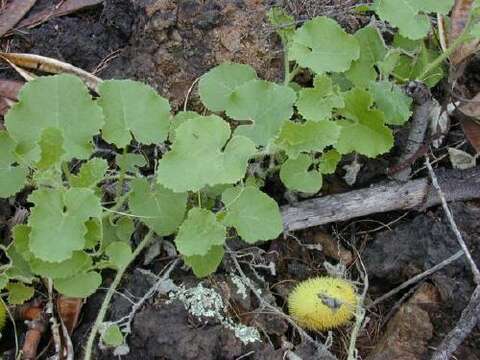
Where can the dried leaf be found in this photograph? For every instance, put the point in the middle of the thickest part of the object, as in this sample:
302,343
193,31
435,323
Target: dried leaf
13,13
10,88
471,128
49,65
460,159
69,310
459,19
351,172
67,7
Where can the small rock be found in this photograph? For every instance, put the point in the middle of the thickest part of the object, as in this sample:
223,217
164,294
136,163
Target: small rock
409,331
333,248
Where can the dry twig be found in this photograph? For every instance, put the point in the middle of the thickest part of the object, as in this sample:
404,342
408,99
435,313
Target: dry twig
465,325
453,225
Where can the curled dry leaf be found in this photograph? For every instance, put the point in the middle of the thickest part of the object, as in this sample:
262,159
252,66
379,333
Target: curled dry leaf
470,120
65,8
13,13
459,19
49,65
471,128
69,311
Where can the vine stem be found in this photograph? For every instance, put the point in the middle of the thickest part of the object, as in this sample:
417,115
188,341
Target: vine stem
445,55
108,297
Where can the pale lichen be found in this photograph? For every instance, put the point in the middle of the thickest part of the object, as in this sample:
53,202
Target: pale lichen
203,302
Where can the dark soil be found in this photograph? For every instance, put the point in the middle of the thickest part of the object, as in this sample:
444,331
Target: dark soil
169,44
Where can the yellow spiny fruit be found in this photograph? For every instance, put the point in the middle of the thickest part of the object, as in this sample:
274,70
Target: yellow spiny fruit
322,303
3,315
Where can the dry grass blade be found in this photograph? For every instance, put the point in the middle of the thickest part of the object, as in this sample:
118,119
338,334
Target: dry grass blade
49,65
13,13
459,20
10,88
66,8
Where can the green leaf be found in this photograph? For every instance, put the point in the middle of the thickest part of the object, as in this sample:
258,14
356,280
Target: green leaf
329,161
133,109
318,102
19,268
199,233
284,24
410,16
366,133
390,62
58,221
61,102
121,230
217,86
297,176
130,162
158,207
3,281
91,173
323,46
394,103
51,148
295,138
372,50
252,213
94,233
18,293
12,178
112,336
78,263
20,255
475,30
81,285
197,159
203,266
266,105
412,67
119,254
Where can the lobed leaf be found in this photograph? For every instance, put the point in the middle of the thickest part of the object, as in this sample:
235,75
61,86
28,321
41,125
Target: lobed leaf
68,211
199,233
81,285
323,46
366,132
12,178
18,293
266,105
205,265
372,51
59,102
156,206
133,109
252,213
297,176
390,99
295,138
411,16
317,103
202,155
217,86
90,174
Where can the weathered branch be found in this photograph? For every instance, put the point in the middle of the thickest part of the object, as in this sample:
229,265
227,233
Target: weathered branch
468,320
456,185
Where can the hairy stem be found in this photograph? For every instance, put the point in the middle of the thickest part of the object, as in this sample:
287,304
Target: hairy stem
108,297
